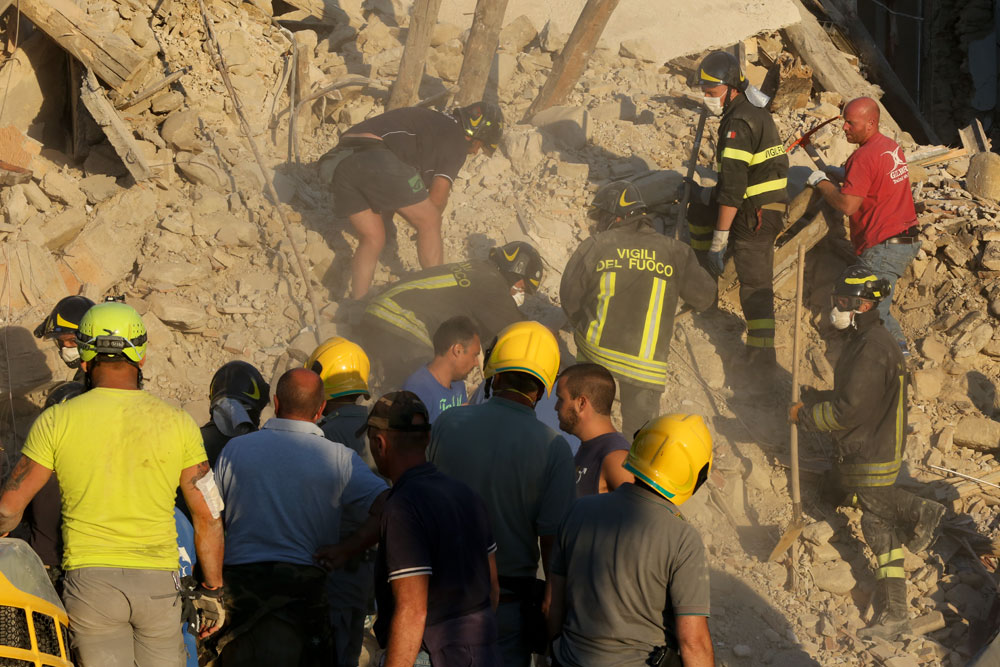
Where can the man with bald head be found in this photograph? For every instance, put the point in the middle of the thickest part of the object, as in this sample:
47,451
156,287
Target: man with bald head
875,194
285,488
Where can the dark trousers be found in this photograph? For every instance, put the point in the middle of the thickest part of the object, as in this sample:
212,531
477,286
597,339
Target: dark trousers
753,234
889,513
639,404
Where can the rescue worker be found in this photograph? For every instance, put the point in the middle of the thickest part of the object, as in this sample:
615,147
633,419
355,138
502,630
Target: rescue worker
635,543
866,412
437,574
521,468
874,192
585,393
344,368
237,395
749,200
120,454
398,323
620,291
405,161
440,384
61,326
285,488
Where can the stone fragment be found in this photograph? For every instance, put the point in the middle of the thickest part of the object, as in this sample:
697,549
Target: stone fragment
98,187
927,383
991,256
173,274
834,577
517,34
16,208
933,350
983,177
182,130
958,168
551,39
235,231
177,313
60,229
523,147
958,254
822,553
977,432
568,125
202,169
178,223
637,49
444,32
927,623
818,532
62,189
167,102
574,172
302,345
35,196
973,340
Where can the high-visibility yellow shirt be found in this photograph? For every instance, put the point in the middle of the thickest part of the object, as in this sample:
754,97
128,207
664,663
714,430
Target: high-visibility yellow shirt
118,455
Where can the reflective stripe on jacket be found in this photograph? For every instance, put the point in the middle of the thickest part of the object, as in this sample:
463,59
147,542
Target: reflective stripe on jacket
751,157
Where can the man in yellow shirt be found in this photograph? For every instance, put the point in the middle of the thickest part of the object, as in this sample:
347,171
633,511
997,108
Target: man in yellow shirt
120,454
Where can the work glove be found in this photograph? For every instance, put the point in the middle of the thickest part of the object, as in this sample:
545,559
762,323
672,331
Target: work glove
210,608
717,252
816,177
793,412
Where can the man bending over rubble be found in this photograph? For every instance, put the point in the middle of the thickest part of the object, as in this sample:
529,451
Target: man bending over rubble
866,410
405,161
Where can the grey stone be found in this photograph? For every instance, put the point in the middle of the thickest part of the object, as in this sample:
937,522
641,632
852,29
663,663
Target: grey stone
62,189
181,130
178,313
517,34
977,432
98,187
834,577
568,125
637,49
983,177
927,383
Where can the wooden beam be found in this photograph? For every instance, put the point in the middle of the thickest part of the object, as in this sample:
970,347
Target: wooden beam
905,107
117,131
830,67
406,87
480,49
573,59
113,58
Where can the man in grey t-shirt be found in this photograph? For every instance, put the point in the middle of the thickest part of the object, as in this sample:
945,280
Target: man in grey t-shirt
635,569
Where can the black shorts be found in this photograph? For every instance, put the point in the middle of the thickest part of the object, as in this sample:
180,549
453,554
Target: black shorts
372,177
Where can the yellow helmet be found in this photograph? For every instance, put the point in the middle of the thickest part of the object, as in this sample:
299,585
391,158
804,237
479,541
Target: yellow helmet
673,454
343,365
528,347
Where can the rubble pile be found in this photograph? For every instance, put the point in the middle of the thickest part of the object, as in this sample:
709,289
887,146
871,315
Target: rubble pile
198,249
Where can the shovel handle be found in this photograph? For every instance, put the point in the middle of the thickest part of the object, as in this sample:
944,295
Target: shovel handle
796,356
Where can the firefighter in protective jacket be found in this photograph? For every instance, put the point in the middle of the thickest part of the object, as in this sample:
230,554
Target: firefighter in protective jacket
866,410
749,200
620,292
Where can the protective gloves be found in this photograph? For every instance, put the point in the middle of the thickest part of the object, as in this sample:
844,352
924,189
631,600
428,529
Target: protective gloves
210,608
717,252
816,177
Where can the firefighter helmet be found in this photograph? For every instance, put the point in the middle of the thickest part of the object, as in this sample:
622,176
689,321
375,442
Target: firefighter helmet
526,347
856,284
343,365
719,67
240,381
64,318
112,329
519,261
482,121
673,455
616,200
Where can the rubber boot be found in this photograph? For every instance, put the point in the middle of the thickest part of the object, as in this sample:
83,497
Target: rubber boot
925,530
892,616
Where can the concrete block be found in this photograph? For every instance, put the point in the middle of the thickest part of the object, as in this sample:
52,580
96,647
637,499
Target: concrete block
177,313
977,432
927,383
983,177
568,125
167,275
62,189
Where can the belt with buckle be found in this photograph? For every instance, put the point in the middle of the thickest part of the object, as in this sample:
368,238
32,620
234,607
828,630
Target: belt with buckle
909,237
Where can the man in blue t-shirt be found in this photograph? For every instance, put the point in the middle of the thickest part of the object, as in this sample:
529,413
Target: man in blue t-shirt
441,383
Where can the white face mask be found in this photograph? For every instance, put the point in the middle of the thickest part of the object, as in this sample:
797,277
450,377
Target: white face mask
841,319
518,296
70,356
713,104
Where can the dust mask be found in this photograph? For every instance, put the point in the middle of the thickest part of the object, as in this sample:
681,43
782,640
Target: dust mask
518,296
713,105
841,319
70,356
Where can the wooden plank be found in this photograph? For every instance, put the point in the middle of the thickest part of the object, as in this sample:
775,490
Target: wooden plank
573,59
480,49
117,131
830,67
405,88
113,58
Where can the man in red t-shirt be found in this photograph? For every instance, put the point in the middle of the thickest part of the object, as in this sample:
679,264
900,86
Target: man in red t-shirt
875,194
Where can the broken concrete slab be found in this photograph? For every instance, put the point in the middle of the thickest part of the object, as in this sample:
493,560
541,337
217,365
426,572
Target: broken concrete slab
977,432
62,228
62,189
178,313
